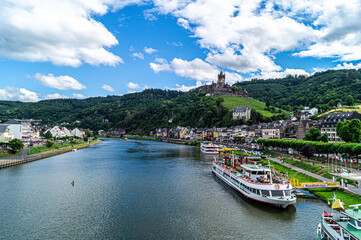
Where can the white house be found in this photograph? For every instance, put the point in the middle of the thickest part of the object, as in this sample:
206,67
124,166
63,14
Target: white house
5,135
241,113
15,128
55,131
65,132
77,133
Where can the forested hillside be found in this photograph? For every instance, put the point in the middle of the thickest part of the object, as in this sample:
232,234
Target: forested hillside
153,108
322,90
137,112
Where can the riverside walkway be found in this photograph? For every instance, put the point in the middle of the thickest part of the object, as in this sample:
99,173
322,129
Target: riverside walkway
351,188
24,156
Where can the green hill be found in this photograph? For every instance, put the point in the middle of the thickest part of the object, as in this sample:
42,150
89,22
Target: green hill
322,90
141,112
236,101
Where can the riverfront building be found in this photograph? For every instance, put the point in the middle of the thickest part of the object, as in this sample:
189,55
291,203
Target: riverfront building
328,125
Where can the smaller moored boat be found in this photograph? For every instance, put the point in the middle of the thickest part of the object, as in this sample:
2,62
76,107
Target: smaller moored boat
339,225
209,148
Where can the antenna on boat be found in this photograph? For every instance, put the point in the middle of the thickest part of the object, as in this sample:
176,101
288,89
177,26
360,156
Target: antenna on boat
270,172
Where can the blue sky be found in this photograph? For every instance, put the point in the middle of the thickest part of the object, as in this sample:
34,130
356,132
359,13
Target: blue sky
86,48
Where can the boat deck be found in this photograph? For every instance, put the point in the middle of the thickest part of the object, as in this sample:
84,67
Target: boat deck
350,229
275,180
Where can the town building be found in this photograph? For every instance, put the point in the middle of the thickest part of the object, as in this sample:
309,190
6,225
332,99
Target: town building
328,125
307,112
241,113
5,135
15,128
77,133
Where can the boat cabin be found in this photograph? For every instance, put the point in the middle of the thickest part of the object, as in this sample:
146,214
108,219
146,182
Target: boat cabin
255,172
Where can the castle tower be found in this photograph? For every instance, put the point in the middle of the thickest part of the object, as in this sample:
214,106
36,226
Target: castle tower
221,80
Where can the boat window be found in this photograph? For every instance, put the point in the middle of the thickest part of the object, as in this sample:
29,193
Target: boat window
277,193
265,193
288,193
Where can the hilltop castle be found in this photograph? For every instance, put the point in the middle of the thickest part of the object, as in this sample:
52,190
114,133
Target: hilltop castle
222,88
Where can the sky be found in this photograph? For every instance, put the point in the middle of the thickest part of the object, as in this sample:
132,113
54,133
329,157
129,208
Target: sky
86,48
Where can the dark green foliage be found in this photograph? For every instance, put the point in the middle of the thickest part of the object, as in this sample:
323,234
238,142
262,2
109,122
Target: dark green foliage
349,100
48,135
314,134
324,137
16,144
349,131
322,90
88,133
49,144
352,149
308,151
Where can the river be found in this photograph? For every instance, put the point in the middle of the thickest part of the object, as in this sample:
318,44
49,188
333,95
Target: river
138,189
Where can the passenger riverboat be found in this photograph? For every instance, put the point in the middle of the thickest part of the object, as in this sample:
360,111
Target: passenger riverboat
209,148
339,225
255,182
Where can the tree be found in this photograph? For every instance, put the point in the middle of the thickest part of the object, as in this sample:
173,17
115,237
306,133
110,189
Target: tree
16,144
349,100
314,134
349,131
88,133
324,137
49,144
308,151
86,138
48,135
268,103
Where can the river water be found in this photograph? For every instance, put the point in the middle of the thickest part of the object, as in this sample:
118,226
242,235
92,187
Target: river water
138,190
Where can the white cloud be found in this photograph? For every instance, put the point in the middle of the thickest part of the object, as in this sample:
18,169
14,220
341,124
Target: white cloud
131,91
347,66
59,82
196,69
133,85
138,55
240,35
150,50
78,95
160,67
244,62
108,88
245,36
281,74
183,23
184,88
18,94
56,96
59,31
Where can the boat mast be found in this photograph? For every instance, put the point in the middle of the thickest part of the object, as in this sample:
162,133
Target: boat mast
270,172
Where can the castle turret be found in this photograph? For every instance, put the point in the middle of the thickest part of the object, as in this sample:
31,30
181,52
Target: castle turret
221,80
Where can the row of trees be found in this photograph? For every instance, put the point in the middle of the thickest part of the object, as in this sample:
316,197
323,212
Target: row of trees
353,149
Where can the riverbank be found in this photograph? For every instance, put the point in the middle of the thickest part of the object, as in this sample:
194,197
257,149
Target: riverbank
39,156
325,194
